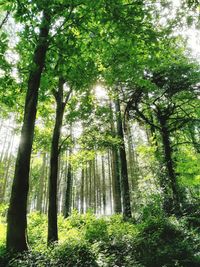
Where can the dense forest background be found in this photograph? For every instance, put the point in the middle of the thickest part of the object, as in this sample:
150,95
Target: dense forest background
99,133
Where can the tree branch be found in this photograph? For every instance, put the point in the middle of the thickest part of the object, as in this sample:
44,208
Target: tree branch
60,146
5,19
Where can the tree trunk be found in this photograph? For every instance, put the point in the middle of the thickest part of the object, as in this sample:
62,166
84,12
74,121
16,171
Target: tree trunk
65,183
17,221
68,196
54,162
110,182
41,185
7,160
103,185
90,184
82,191
115,172
124,170
94,193
168,161
86,188
46,191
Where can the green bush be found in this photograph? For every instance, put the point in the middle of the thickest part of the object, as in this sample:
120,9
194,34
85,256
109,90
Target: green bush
155,241
161,243
116,253
77,220
74,254
30,258
68,254
96,230
4,256
37,230
117,250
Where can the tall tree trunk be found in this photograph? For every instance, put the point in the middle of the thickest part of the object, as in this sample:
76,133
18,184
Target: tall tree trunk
124,169
46,191
98,187
94,193
103,185
82,191
64,187
69,191
86,188
7,163
115,171
110,182
41,185
169,163
4,148
90,184
54,165
17,221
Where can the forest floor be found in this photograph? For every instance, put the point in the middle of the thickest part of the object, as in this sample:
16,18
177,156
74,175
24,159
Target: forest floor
153,240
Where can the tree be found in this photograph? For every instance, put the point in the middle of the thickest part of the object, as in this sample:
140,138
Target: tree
17,222
123,164
166,103
61,101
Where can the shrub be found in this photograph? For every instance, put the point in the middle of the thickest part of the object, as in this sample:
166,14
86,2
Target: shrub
4,256
117,250
160,243
96,230
74,254
37,230
30,258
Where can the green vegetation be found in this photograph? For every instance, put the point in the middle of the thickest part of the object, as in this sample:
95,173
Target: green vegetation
99,133
152,240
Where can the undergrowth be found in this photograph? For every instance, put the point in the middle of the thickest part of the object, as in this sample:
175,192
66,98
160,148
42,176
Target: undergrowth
84,240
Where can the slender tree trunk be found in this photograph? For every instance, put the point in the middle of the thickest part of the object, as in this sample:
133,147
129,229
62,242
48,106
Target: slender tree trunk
46,192
41,185
124,169
98,187
65,184
69,191
90,184
110,183
82,191
4,148
115,171
103,185
86,188
17,221
54,162
7,160
169,163
94,186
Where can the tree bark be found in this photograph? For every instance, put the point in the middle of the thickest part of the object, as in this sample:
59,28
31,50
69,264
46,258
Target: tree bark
103,185
169,163
124,169
41,185
115,171
86,188
68,196
82,191
54,165
110,183
17,221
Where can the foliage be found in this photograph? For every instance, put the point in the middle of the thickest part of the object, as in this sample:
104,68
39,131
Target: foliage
161,243
37,230
74,254
85,240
